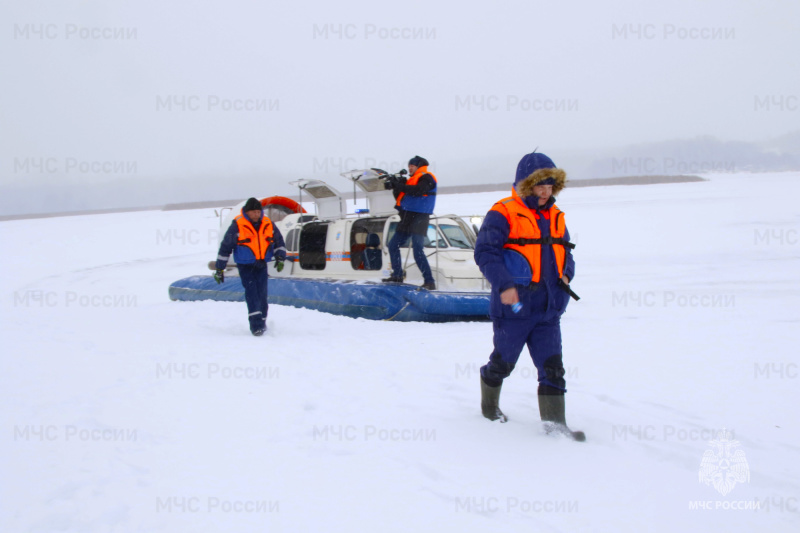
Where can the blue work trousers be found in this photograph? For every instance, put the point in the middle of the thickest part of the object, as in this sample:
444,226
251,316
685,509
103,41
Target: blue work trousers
418,244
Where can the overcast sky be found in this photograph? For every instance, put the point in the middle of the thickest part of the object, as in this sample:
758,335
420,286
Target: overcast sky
167,94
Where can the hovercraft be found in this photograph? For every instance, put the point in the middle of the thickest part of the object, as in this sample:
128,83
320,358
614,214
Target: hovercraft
335,260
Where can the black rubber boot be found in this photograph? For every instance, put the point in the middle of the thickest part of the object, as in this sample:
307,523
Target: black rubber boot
551,410
490,402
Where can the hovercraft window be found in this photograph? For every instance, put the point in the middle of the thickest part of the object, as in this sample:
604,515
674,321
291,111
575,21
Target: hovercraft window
430,237
365,243
312,246
291,240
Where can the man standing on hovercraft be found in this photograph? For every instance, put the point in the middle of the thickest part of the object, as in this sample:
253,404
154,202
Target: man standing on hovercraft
416,198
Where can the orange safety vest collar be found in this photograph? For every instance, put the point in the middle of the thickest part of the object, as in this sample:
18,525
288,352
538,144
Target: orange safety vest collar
526,238
414,179
258,241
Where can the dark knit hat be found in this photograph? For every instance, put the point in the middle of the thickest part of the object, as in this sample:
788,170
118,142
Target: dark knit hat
418,161
252,204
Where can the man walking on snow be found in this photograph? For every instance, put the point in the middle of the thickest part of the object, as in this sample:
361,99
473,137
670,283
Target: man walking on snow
523,249
253,239
416,199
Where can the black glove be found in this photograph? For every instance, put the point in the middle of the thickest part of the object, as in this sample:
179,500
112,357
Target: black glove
279,265
389,183
219,276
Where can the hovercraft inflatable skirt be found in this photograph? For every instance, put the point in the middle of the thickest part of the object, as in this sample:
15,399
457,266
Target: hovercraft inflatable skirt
375,301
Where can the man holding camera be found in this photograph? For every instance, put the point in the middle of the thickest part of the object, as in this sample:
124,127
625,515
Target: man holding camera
416,198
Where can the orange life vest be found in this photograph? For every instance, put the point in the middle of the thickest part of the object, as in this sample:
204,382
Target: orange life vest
526,238
413,180
258,241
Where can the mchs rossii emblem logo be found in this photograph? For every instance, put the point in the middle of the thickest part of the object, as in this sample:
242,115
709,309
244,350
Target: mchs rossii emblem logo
724,465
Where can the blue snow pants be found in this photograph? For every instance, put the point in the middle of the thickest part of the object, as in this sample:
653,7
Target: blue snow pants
254,281
543,338
418,244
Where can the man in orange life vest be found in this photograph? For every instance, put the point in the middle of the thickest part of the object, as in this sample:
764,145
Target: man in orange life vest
416,199
523,249
253,239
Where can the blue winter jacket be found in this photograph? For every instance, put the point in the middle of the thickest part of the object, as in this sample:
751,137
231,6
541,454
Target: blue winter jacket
542,299
244,255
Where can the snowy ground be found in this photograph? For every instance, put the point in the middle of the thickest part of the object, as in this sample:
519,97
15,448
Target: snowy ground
124,411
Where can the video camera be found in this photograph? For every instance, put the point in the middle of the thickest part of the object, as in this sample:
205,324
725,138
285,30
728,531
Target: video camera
391,181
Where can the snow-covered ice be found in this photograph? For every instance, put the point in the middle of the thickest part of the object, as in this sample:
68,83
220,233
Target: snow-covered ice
124,411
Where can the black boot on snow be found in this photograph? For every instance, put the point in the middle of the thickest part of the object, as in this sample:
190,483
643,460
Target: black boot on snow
551,410
490,403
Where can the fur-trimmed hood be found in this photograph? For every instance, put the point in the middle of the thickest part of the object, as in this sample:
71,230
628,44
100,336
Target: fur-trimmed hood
525,187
